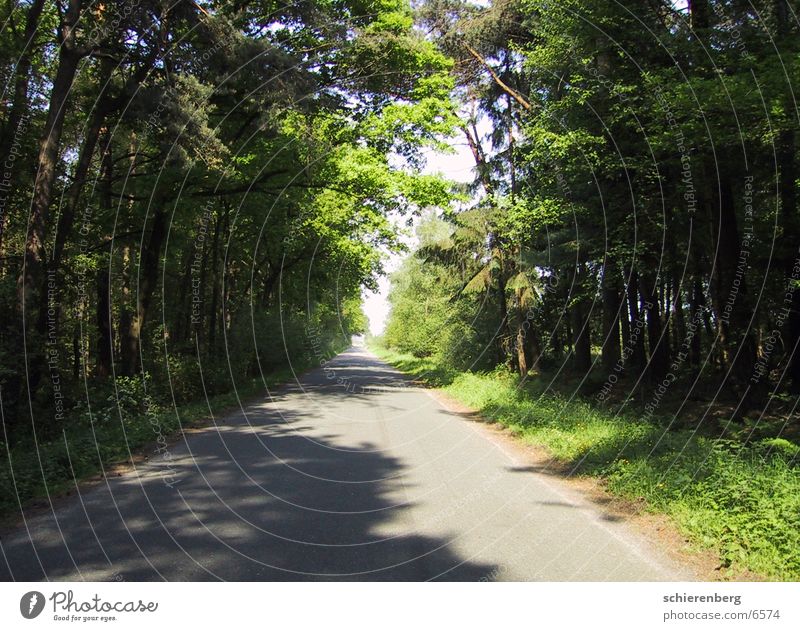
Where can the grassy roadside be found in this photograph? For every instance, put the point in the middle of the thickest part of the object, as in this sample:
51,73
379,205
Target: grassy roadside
111,435
742,502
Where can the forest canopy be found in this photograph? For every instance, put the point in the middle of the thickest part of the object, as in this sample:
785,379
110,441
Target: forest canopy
634,213
196,193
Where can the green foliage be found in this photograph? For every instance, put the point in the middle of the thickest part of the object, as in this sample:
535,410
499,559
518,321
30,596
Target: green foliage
432,313
219,204
417,298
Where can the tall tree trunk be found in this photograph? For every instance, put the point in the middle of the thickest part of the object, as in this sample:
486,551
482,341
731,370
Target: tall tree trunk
582,354
104,327
624,322
21,103
611,309
533,347
521,334
34,257
697,302
678,318
184,307
126,342
32,296
216,286
104,338
637,358
125,317
148,281
787,167
728,282
504,332
658,342
789,212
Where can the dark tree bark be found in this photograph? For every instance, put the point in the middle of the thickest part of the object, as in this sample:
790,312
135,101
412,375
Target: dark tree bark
34,257
700,14
21,102
728,281
582,353
637,358
520,337
696,304
181,325
148,281
216,285
104,338
125,316
787,191
657,341
504,332
105,342
533,347
611,309
789,211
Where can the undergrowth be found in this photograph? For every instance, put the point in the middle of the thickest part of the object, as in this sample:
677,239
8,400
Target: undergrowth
127,422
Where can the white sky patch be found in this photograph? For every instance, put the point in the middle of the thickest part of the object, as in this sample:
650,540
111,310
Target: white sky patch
458,166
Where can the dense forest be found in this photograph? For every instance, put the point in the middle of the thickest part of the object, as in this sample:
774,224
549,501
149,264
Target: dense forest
196,193
618,286
634,219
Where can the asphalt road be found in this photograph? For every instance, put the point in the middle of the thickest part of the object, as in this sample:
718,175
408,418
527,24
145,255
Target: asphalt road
350,474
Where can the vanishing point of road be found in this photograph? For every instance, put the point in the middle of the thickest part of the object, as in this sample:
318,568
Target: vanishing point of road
349,473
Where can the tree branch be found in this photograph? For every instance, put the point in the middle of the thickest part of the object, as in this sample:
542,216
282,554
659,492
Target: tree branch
505,87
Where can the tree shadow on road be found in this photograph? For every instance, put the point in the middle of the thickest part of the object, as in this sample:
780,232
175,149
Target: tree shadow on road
254,498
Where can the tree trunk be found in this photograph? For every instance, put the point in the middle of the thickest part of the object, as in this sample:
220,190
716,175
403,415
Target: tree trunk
34,256
182,320
787,167
637,357
697,303
582,356
611,309
624,322
658,342
125,318
521,336
678,318
105,341
148,281
788,196
728,282
21,104
504,336
216,287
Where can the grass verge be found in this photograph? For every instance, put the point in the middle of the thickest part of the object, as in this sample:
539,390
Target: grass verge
740,500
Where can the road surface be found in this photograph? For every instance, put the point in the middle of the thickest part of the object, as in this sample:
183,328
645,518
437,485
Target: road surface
350,473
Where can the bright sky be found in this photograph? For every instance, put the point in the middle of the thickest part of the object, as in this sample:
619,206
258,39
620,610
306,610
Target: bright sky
458,167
